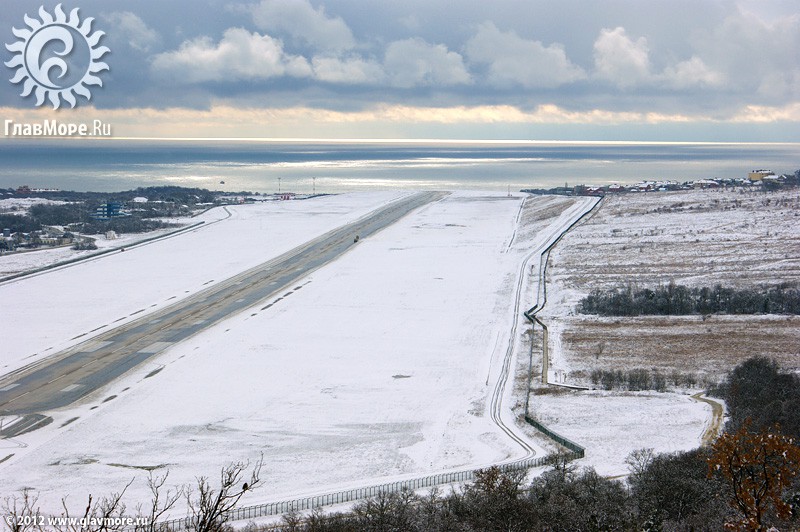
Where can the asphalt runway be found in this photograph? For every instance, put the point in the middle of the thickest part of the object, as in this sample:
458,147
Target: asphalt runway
65,377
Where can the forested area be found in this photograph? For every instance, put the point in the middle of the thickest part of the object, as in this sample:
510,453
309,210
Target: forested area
679,300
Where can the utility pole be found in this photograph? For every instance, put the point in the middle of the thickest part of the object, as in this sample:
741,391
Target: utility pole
279,185
314,186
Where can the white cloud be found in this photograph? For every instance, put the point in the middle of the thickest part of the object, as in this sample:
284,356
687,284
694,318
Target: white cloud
414,62
301,21
513,60
349,70
693,72
240,55
620,60
130,27
756,56
625,63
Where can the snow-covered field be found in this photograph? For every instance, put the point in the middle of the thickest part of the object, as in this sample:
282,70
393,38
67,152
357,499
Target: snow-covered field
611,425
698,238
14,263
378,368
737,238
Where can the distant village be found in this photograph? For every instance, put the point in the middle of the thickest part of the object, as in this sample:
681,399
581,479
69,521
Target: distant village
757,179
79,219
34,218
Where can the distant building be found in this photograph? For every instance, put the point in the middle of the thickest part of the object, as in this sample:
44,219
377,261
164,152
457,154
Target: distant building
758,175
108,210
706,183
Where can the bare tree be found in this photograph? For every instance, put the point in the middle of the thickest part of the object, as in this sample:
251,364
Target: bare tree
639,460
21,514
105,515
210,510
161,503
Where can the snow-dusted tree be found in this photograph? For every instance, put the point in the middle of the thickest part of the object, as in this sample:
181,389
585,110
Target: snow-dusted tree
211,508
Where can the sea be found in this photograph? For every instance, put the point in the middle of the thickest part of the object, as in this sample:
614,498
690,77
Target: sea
307,166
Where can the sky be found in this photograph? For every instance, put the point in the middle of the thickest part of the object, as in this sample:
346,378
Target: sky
612,70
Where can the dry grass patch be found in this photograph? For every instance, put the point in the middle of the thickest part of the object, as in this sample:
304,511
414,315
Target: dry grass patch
684,343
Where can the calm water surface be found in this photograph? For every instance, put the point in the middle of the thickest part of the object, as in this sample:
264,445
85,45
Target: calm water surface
111,165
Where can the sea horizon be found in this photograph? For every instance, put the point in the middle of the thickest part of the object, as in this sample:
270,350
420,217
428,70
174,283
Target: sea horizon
340,165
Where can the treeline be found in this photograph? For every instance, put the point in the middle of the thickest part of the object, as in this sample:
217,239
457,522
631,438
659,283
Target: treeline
76,213
176,194
19,224
638,379
165,201
679,300
667,492
124,224
758,391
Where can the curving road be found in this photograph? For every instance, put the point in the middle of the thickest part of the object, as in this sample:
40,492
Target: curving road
70,375
496,410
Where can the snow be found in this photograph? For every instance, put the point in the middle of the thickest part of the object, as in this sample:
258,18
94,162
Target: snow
353,377
734,237
114,286
377,367
23,204
14,263
612,425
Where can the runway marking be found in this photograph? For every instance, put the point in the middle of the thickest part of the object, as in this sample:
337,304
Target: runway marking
213,302
96,346
71,387
9,387
155,347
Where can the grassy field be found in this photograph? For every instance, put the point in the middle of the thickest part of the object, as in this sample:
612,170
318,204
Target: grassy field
737,238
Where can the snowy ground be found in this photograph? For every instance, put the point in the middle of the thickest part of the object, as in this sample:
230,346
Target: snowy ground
738,238
13,263
377,368
111,288
612,425
21,205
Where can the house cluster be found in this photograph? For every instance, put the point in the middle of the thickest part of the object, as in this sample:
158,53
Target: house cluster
48,236
756,179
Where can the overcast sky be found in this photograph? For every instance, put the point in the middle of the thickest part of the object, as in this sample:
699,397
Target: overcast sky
568,69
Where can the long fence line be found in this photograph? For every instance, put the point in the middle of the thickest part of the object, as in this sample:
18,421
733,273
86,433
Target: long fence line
439,479
351,495
541,300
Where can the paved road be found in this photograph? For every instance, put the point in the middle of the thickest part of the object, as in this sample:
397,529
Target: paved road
67,376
